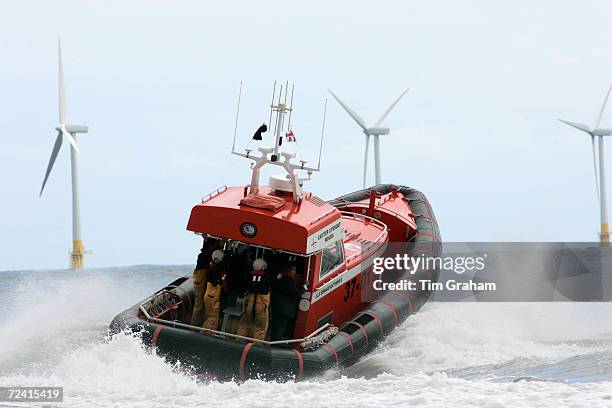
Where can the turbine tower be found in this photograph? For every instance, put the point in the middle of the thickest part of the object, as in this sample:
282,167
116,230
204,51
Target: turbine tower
376,131
600,173
65,130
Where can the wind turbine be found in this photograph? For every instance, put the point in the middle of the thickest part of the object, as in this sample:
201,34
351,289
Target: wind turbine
600,174
69,132
375,131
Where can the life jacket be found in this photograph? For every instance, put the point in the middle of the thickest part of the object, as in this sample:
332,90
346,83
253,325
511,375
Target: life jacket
259,283
216,274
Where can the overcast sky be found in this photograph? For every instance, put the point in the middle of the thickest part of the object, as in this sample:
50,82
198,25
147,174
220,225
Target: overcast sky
157,81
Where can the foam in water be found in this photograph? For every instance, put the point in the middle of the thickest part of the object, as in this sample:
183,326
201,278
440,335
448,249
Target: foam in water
455,335
487,355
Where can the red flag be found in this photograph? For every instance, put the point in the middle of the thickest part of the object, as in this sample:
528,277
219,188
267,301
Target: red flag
290,136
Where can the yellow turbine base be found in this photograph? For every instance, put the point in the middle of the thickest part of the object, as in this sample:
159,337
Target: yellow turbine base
604,237
77,255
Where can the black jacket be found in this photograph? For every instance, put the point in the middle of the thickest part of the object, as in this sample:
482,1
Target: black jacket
203,259
236,266
285,297
216,274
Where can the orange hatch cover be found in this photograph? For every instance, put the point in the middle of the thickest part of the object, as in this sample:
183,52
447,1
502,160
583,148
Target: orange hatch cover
265,202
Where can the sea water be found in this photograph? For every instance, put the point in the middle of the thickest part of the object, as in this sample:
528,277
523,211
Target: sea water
53,332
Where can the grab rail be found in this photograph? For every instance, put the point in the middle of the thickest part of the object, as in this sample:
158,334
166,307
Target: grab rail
223,334
215,193
325,214
379,224
360,217
377,207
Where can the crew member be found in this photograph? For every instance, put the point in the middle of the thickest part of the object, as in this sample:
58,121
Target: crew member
214,287
199,283
241,261
254,320
284,302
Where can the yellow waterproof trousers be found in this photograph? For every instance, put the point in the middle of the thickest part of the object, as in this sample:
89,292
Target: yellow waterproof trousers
212,302
199,287
255,324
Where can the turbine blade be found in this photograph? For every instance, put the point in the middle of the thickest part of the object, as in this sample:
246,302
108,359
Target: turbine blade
595,167
71,140
54,152
61,88
351,112
365,160
603,107
578,126
390,108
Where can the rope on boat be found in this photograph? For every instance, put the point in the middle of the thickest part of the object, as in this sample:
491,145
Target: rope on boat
317,341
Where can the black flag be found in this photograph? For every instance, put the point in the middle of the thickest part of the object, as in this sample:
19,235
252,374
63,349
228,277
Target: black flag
263,128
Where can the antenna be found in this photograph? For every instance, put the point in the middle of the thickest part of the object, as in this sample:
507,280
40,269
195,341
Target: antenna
279,108
277,121
291,106
272,105
237,113
285,104
322,134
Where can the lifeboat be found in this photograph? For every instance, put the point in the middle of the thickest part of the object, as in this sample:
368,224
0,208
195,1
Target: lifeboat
337,316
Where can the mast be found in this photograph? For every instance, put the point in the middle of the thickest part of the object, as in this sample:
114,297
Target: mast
280,108
276,158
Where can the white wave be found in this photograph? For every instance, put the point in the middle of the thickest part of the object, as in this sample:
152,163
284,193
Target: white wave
116,372
121,373
446,336
53,334
52,313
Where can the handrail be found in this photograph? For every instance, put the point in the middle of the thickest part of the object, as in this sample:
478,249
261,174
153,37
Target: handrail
377,206
378,223
223,334
215,193
325,214
358,216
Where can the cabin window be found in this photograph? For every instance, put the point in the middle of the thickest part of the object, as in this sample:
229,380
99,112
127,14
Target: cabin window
332,258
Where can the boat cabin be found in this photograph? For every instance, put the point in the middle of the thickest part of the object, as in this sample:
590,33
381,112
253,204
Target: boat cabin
327,248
